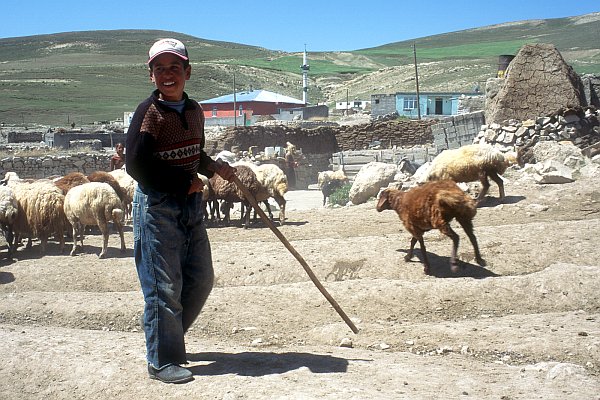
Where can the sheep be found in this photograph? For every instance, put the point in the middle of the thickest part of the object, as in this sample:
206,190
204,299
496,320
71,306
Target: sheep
70,180
230,193
274,180
40,212
432,206
329,181
8,215
106,177
470,163
129,184
94,203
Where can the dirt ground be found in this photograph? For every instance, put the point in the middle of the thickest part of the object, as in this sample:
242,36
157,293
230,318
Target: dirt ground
525,326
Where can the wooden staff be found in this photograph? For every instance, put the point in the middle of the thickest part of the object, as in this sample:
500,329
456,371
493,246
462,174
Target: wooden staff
298,257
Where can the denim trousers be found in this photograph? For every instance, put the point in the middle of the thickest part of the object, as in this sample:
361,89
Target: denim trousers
174,265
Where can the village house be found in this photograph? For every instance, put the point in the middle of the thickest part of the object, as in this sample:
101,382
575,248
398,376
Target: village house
430,104
249,107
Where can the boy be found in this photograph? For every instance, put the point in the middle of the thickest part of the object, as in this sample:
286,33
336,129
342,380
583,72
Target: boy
172,253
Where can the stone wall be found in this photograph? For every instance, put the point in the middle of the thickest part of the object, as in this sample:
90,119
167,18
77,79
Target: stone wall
327,139
457,131
47,166
581,126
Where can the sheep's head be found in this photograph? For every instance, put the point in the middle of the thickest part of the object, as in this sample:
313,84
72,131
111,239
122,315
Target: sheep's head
384,202
390,199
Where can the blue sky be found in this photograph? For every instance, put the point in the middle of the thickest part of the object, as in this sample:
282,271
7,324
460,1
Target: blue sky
321,25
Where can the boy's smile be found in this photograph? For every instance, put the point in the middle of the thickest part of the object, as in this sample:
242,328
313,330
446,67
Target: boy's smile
169,75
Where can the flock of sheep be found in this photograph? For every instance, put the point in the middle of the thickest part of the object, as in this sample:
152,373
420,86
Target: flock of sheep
62,206
45,208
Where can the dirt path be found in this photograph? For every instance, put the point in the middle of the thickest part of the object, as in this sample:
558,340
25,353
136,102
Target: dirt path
525,326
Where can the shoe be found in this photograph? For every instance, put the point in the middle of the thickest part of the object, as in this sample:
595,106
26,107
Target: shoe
170,374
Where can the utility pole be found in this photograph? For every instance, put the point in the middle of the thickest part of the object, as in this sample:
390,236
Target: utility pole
347,102
234,104
417,81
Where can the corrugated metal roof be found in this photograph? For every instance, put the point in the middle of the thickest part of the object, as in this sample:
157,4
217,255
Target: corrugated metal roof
254,95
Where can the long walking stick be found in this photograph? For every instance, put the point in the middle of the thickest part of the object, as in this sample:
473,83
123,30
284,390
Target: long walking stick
287,244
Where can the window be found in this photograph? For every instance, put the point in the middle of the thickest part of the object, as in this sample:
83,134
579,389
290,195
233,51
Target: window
214,111
410,103
241,110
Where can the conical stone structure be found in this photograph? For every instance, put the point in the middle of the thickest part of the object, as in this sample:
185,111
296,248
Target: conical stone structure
538,82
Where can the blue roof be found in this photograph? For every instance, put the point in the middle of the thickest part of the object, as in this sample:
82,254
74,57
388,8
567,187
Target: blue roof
254,95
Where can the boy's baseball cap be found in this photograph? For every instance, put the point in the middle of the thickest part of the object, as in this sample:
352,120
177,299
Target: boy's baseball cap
172,46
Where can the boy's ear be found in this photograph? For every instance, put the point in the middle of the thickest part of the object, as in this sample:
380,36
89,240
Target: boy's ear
188,72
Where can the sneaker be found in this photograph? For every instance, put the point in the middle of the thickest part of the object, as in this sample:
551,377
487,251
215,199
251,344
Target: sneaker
170,374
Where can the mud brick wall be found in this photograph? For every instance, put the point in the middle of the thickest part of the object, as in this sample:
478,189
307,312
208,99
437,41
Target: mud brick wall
327,139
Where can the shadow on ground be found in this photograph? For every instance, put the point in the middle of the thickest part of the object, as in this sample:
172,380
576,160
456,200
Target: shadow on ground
260,364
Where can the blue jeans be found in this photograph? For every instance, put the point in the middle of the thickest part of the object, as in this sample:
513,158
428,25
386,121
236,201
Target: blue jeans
174,265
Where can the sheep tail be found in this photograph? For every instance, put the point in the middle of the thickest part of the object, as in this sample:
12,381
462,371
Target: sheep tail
464,205
118,214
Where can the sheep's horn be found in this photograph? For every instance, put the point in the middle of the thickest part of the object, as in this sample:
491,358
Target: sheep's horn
298,257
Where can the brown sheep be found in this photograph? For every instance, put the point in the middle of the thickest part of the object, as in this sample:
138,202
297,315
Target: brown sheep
229,193
70,180
432,206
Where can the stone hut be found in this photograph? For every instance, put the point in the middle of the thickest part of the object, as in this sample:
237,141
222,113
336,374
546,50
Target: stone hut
538,82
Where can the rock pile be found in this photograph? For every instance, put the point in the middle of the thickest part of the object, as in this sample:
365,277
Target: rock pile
581,126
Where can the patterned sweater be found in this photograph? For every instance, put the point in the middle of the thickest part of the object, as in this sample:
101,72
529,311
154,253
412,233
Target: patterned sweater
165,147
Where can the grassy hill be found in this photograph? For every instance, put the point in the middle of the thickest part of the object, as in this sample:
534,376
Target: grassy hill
91,76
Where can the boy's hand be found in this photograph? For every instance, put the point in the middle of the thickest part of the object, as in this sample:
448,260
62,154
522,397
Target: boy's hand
196,185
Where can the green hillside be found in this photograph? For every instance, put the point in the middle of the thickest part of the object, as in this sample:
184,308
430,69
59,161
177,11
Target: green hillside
84,77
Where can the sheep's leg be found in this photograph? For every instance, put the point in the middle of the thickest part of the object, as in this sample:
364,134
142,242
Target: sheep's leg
214,210
281,202
496,178
426,267
266,202
121,235
246,217
467,225
409,255
118,218
447,230
43,243
75,233
103,225
485,183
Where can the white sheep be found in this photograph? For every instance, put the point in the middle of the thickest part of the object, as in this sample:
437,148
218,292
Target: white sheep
8,215
329,181
470,163
40,212
128,184
94,203
274,180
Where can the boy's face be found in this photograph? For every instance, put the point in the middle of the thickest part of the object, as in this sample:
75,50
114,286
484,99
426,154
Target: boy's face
169,76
